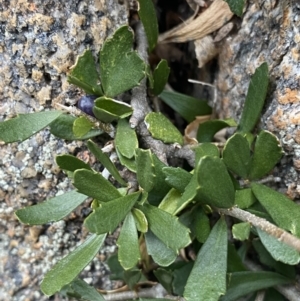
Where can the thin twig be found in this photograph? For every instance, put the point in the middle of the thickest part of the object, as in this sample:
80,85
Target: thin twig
264,225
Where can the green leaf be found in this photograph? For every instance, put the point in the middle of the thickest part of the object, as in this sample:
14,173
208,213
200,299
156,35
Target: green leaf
284,212
81,126
206,149
181,276
266,259
234,260
170,201
236,155
244,198
120,68
144,168
267,153
129,251
166,227
190,193
71,163
165,278
177,177
236,6
148,17
255,99
62,127
85,291
188,107
116,270
140,220
243,283
84,74
126,139
107,109
279,250
160,188
216,187
133,277
105,161
198,222
51,210
24,126
241,231
207,280
161,128
70,266
208,129
107,217
149,76
95,185
128,163
160,252
160,76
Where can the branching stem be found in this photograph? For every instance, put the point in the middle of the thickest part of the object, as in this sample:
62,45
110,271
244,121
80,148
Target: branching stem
264,225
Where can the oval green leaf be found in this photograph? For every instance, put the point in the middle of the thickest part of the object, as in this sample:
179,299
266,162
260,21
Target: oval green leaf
84,74
186,106
284,212
255,99
107,217
244,198
206,149
160,75
71,163
267,153
207,280
216,187
177,177
126,139
236,155
161,254
279,250
140,220
51,210
144,169
120,68
148,17
70,266
129,250
108,109
95,185
241,231
81,126
62,127
161,128
166,227
24,126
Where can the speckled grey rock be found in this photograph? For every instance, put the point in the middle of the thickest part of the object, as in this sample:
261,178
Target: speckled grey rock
39,42
269,32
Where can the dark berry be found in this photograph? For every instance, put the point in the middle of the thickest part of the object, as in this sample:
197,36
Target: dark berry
86,104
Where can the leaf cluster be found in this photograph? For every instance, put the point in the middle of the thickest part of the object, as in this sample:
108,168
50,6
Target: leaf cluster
172,208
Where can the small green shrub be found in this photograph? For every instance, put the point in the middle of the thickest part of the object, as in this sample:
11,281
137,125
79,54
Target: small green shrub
170,208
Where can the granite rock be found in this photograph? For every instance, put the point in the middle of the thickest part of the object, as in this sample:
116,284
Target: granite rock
39,42
268,32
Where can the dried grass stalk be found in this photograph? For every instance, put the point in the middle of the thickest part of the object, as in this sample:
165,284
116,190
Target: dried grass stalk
213,18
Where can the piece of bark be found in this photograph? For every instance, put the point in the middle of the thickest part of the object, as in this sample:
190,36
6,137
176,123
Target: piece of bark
269,32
